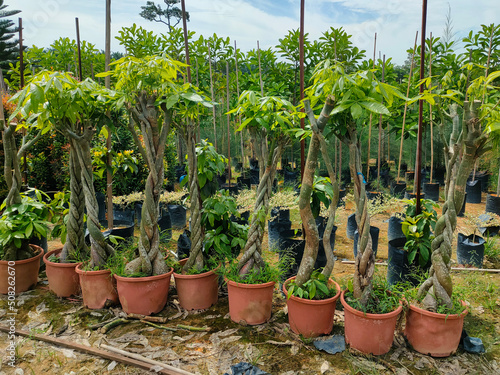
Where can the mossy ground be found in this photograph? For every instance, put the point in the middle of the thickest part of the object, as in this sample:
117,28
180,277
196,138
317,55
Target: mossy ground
270,346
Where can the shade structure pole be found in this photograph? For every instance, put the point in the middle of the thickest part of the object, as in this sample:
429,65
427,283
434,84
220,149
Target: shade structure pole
418,166
301,78
107,84
79,49
186,45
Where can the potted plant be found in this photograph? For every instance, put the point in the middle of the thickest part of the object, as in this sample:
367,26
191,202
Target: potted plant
224,238
348,104
174,203
266,118
470,245
409,257
19,262
149,89
435,319
279,223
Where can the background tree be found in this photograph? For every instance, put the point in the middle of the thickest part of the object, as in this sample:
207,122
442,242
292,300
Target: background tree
170,16
9,49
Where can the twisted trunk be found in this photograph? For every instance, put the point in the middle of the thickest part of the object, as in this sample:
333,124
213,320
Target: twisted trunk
437,289
196,252
252,255
75,246
145,113
100,250
365,259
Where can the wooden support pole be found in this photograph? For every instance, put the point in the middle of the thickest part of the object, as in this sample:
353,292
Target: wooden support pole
80,74
228,125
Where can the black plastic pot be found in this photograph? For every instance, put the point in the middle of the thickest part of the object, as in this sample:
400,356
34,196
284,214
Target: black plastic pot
244,183
493,203
409,195
184,245
341,197
470,250
398,189
121,228
123,214
290,177
351,227
394,229
473,189
165,225
177,216
233,189
374,232
431,191
321,224
101,203
242,220
274,228
482,176
487,230
462,210
280,214
398,267
410,176
138,212
42,242
254,176
374,195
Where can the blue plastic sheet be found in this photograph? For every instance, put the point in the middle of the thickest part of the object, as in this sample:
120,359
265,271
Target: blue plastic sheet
244,368
332,344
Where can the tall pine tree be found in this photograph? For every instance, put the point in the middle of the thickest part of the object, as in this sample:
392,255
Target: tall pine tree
9,46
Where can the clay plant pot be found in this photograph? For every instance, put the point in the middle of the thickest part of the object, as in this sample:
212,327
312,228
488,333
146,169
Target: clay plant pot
63,279
98,288
143,295
197,292
25,274
369,333
250,303
311,318
434,334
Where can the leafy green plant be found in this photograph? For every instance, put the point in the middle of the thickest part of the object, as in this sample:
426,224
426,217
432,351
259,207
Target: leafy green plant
20,222
315,288
418,230
322,192
265,274
382,299
223,238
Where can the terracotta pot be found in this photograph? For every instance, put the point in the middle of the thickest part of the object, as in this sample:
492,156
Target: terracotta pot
434,334
98,287
63,279
197,292
25,276
369,333
250,303
143,295
311,318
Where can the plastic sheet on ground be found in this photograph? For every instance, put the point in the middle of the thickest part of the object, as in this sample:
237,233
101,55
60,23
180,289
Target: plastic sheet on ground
331,344
244,368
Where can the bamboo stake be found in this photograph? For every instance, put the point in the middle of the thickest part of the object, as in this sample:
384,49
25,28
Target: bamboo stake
198,85
228,124
107,84
406,105
140,363
212,95
430,110
260,71
239,116
379,155
371,117
21,83
79,49
144,359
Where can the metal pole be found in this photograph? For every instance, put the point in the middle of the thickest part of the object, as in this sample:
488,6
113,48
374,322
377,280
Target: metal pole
301,71
371,118
379,155
186,45
79,49
107,84
239,116
418,167
228,124
212,94
21,57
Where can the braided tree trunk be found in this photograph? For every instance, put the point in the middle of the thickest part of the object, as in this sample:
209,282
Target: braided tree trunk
311,234
75,247
146,115
100,250
438,288
13,179
365,260
196,252
252,255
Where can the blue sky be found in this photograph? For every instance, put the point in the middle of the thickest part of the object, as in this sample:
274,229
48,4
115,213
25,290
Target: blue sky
245,21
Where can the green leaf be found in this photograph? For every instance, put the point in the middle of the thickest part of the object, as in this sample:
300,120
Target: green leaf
375,107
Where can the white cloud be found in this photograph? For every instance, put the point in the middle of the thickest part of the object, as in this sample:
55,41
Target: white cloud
395,21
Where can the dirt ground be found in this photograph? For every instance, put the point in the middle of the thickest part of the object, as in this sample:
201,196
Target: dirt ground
271,346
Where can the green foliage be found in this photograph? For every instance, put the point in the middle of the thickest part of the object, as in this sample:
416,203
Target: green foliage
322,192
9,46
172,13
255,276
382,299
418,229
23,221
125,252
210,164
223,237
316,288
